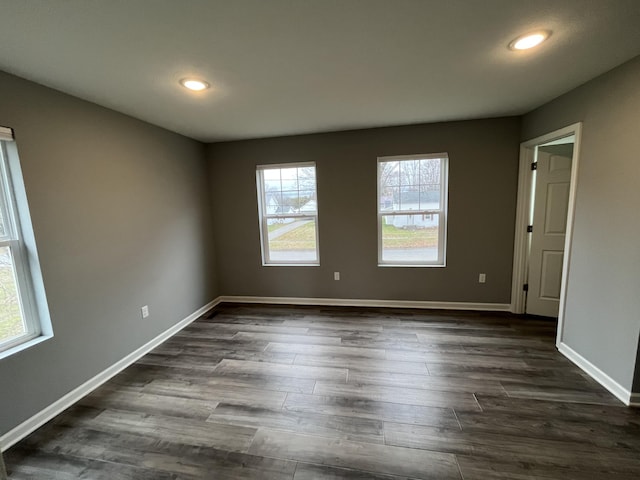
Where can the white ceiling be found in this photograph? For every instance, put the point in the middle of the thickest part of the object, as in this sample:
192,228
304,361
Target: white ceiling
281,67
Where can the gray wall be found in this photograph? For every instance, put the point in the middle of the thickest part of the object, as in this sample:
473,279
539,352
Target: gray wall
602,320
121,214
483,159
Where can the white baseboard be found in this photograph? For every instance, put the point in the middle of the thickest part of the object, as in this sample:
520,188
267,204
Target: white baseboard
28,426
624,395
356,302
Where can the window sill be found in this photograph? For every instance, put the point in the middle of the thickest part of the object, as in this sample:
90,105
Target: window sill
409,265
24,345
290,264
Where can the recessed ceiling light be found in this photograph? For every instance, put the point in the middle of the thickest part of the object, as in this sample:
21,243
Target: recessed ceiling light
529,40
194,84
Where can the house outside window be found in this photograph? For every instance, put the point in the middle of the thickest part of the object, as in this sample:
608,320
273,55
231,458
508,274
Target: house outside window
412,210
288,213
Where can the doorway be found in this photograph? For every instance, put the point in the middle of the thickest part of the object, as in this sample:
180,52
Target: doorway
544,221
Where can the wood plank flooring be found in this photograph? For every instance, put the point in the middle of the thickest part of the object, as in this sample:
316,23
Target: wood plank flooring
304,393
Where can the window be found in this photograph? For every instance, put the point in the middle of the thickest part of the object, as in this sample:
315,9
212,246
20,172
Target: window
23,313
288,210
412,210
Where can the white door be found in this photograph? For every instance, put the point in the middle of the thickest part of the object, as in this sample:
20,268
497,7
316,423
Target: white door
551,202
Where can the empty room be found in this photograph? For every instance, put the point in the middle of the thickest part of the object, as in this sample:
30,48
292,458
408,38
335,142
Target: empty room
320,239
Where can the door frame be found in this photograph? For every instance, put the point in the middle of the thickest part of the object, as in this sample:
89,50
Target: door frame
523,210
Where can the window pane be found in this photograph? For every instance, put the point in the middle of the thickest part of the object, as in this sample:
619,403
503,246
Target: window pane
290,202
272,185
410,238
271,174
289,184
307,178
430,197
11,321
389,199
292,240
409,199
388,172
308,202
410,172
273,203
289,178
430,170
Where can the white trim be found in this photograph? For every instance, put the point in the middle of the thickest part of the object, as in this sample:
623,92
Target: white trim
413,156
522,220
23,345
571,210
520,256
360,302
28,426
276,166
624,395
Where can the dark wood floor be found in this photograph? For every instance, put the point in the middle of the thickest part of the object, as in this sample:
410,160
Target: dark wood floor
263,392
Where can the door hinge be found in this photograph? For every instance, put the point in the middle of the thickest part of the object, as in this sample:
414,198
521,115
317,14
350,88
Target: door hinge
534,166
525,287
529,228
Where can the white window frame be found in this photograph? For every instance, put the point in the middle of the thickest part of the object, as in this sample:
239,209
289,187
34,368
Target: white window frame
263,216
21,243
442,212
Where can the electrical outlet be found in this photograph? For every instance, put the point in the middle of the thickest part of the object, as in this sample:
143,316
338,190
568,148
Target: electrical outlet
482,278
145,311
336,275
